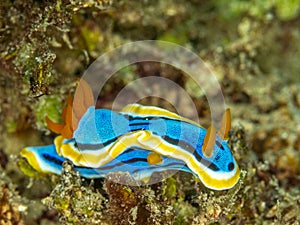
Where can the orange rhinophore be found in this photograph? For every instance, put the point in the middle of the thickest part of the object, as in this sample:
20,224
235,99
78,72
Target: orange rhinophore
210,137
73,111
225,125
209,142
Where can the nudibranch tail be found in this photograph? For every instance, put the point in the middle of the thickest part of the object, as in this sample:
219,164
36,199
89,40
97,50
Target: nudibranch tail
43,158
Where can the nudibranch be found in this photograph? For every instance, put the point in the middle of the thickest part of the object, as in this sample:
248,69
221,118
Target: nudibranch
139,139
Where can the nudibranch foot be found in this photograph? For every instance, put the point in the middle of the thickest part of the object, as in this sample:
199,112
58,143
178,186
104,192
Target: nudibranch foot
135,161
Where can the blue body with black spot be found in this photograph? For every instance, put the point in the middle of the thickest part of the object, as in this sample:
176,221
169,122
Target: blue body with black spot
105,126
126,138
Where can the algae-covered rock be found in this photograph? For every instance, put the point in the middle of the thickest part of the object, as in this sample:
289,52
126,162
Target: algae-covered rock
11,207
76,203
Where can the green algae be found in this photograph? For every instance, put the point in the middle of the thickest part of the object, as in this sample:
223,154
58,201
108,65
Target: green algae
28,170
48,106
285,10
170,188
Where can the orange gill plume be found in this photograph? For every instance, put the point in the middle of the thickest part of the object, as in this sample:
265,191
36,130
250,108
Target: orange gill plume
73,111
210,137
